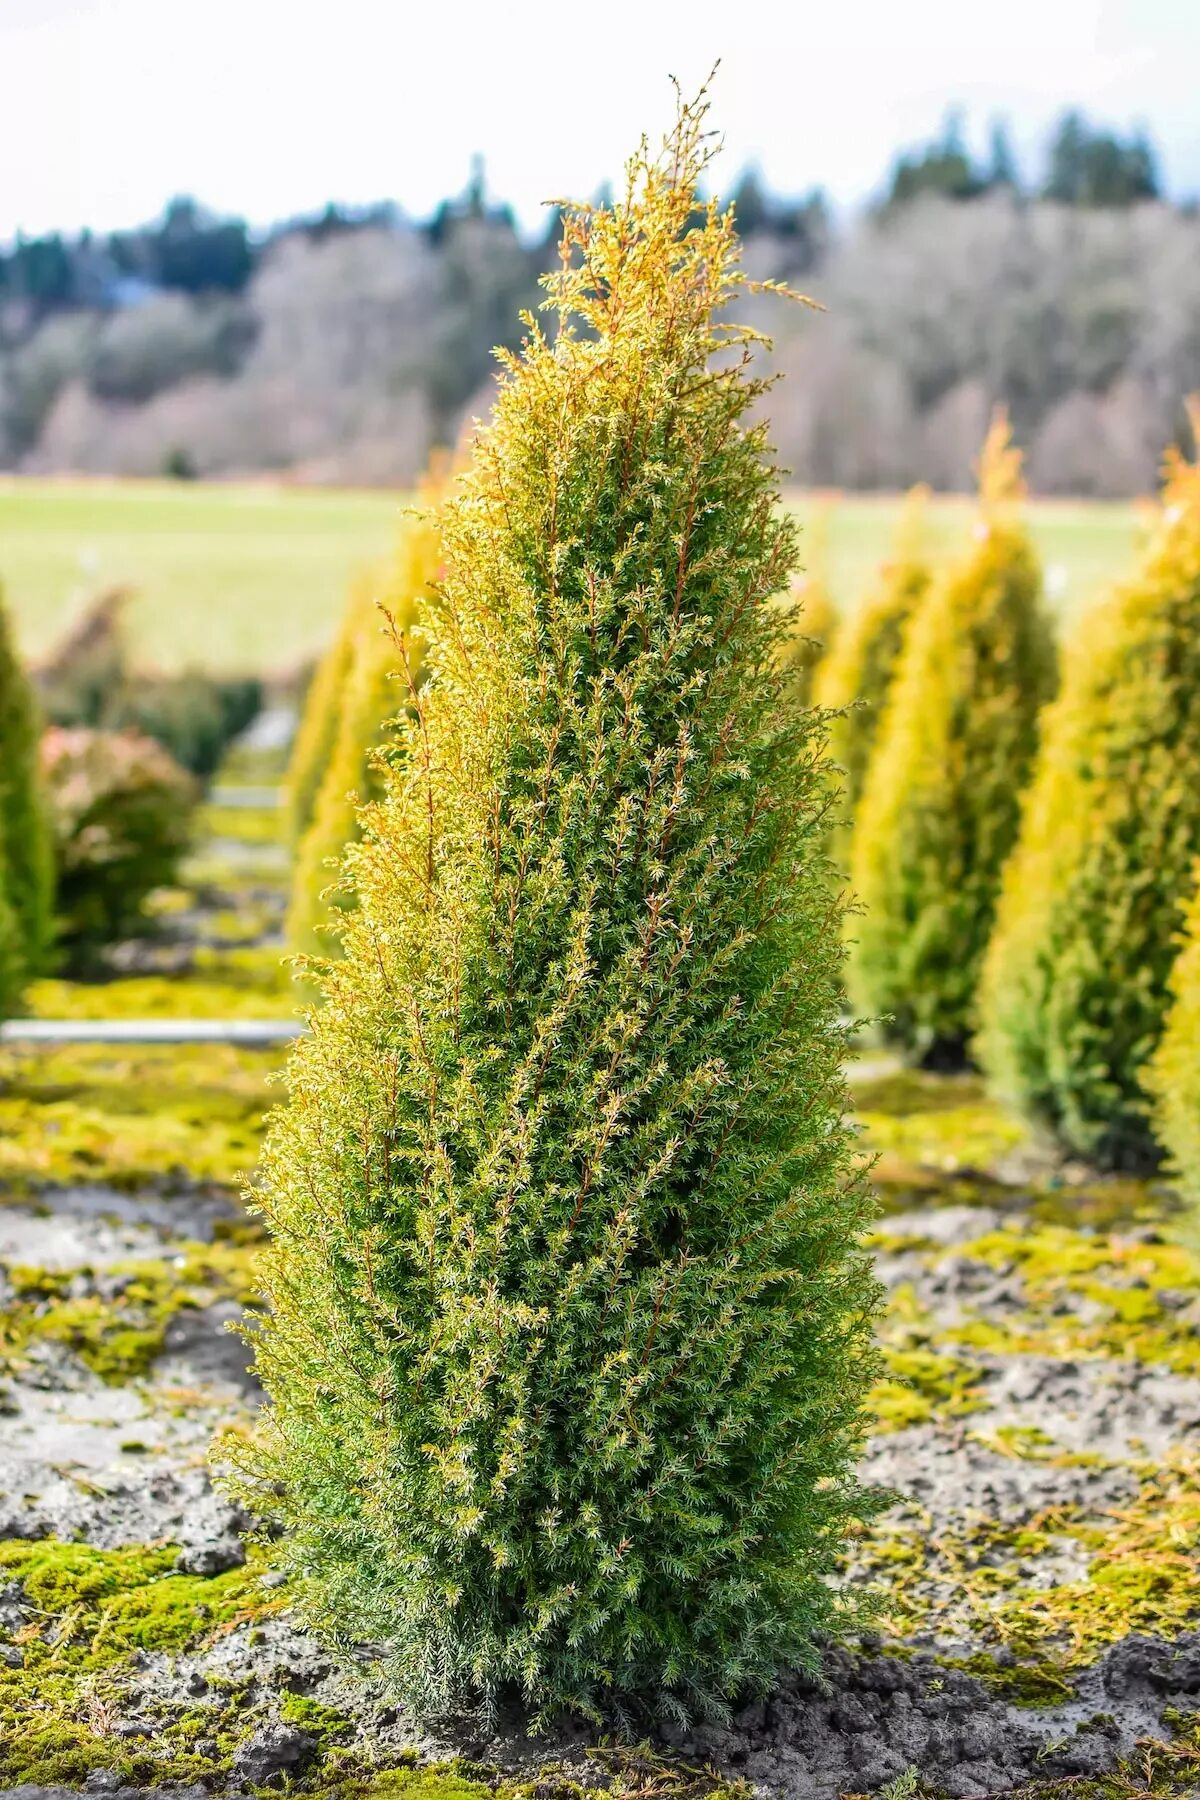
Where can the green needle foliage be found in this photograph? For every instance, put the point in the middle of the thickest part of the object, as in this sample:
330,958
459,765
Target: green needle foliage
940,807
1076,983
26,845
322,709
853,680
569,1328
386,668
1174,1075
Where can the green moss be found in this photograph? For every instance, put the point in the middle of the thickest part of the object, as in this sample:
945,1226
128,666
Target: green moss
133,1115
91,1611
1102,1295
256,825
1142,1574
1024,1684
120,1338
922,1384
242,984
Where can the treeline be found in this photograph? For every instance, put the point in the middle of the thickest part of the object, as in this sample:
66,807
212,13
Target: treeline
345,346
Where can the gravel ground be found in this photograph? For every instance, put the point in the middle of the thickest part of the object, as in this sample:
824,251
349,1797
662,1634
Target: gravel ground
122,1464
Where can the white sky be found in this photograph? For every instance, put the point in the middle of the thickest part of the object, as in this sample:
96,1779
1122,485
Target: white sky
269,107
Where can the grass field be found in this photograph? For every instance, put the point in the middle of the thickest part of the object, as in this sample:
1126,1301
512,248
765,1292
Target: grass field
252,577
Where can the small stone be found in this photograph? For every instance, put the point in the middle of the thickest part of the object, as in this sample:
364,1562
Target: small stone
273,1578
272,1750
212,1558
102,1781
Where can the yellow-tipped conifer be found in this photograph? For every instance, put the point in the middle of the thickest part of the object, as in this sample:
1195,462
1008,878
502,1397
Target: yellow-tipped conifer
318,726
386,665
940,807
1174,1075
1075,988
569,1330
852,682
812,615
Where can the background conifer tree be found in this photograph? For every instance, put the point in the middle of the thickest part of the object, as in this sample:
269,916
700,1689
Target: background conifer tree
1075,987
322,708
569,1329
940,807
853,680
28,852
1174,1075
385,667
812,615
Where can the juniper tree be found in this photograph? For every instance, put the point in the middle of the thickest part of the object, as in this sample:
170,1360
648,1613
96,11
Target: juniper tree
1075,985
385,666
1173,1077
853,680
812,615
569,1326
319,717
25,836
940,806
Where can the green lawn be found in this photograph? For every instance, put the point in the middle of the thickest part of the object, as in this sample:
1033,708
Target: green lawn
252,576
225,576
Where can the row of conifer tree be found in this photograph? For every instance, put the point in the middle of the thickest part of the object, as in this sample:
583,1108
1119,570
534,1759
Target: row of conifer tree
1025,855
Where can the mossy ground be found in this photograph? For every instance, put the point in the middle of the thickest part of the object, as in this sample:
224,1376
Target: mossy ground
1040,1525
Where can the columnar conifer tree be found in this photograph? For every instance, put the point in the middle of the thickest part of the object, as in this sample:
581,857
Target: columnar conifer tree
385,669
1076,983
940,807
28,855
569,1330
813,615
1174,1076
852,682
323,708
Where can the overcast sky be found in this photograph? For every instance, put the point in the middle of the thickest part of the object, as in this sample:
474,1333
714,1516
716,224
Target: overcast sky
271,107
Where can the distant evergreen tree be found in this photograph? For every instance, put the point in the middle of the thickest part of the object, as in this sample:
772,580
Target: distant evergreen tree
569,1330
1075,989
1002,163
941,802
1173,1079
385,670
853,681
1096,168
323,702
26,844
945,168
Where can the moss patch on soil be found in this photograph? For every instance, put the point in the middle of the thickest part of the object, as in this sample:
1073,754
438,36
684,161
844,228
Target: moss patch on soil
116,1323
1090,1295
133,1116
940,1124
231,984
921,1384
240,824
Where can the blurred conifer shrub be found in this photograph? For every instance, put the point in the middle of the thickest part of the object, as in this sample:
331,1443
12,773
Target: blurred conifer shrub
940,805
1076,983
853,680
386,668
26,845
1174,1075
